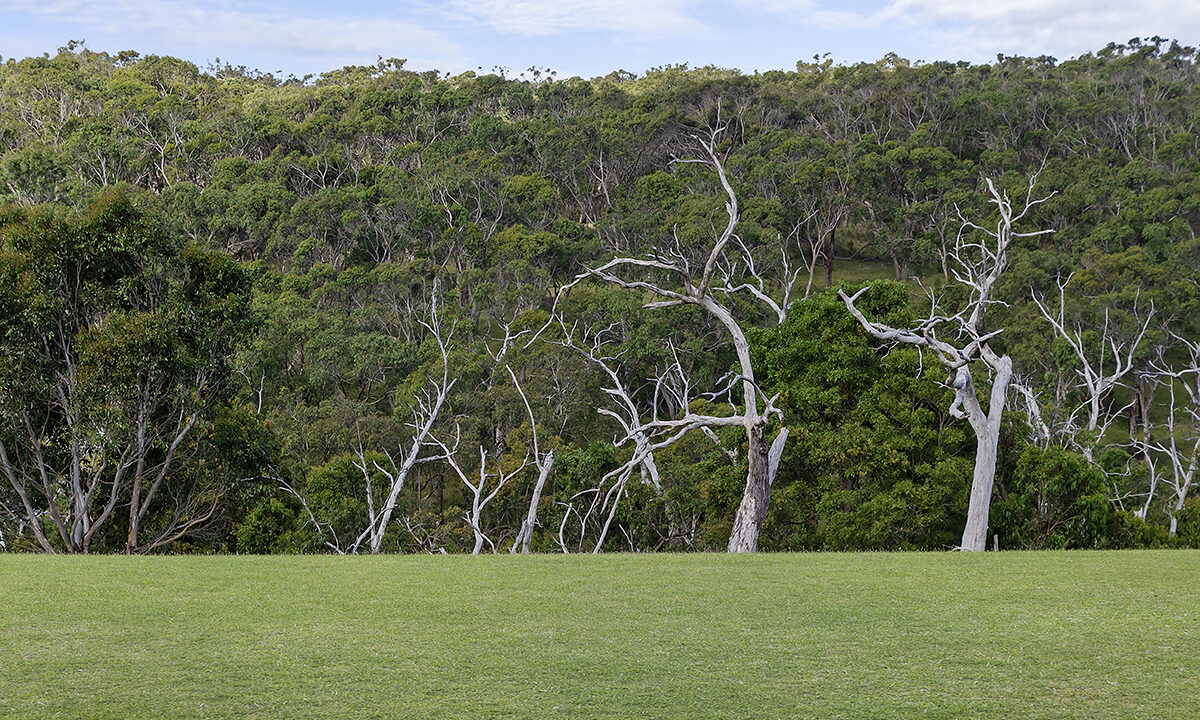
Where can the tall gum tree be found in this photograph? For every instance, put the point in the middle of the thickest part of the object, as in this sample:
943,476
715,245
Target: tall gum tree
978,265
673,277
115,345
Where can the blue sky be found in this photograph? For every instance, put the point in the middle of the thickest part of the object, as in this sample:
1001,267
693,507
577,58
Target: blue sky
585,38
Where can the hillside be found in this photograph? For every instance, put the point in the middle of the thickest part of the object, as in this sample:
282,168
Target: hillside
263,273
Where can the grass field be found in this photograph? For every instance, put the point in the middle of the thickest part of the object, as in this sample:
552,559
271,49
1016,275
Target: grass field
995,635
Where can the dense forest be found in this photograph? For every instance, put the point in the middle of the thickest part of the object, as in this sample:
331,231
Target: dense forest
841,307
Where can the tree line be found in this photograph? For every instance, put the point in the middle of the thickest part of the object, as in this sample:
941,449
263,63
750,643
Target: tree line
886,305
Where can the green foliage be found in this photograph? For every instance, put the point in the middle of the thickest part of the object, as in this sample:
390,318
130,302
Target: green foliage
1053,498
286,239
273,526
116,341
873,461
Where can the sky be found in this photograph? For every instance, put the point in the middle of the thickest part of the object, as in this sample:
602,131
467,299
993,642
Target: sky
577,37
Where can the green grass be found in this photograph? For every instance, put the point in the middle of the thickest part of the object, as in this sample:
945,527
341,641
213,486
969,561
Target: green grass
995,635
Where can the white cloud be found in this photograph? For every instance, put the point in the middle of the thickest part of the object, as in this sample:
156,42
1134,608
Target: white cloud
1063,28
978,29
459,34
552,17
220,27
1057,27
809,12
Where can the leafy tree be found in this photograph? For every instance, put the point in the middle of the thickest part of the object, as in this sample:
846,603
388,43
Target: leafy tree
116,347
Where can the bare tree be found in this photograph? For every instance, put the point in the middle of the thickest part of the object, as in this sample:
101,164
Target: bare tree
978,266
694,284
1040,432
425,411
748,276
480,497
633,431
594,348
1101,368
544,462
1178,444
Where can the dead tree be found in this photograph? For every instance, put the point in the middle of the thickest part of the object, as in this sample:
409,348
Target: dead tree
426,409
492,481
978,266
1101,368
1178,443
1040,432
544,462
495,480
746,275
673,277
594,347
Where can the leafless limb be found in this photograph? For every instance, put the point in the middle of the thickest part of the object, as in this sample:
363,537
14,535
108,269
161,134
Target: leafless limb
693,284
544,464
1178,445
425,410
495,479
961,339
1098,372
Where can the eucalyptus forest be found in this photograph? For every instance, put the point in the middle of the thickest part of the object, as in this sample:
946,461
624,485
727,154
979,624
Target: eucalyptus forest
872,306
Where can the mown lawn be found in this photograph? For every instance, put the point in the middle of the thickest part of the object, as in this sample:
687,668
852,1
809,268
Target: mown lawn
1007,635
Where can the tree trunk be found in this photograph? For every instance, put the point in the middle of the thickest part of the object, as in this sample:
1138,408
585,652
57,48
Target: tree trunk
1180,498
829,259
1144,399
775,456
476,517
975,533
753,509
526,535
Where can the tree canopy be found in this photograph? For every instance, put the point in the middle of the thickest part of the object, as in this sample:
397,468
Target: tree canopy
217,290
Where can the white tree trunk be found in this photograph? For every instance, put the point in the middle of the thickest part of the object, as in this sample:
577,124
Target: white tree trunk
747,523
475,518
974,536
775,456
699,289
1180,498
525,536
987,443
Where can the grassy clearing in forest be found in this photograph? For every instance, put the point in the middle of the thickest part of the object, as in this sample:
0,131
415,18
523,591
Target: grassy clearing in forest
887,635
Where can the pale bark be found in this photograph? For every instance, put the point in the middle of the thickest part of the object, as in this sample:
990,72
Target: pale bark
979,267
32,517
700,291
80,493
544,464
987,433
1039,430
479,500
775,456
628,416
747,523
1099,370
497,479
1181,429
525,536
426,410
